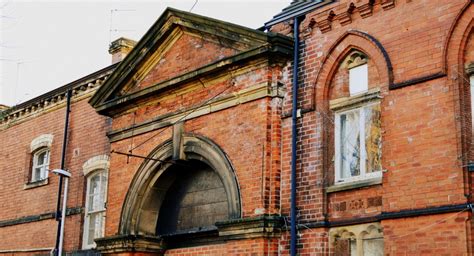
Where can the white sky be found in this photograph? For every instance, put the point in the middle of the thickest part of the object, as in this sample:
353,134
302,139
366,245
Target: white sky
46,44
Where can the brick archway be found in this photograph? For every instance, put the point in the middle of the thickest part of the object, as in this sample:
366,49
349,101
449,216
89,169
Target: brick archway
349,41
142,203
458,53
461,29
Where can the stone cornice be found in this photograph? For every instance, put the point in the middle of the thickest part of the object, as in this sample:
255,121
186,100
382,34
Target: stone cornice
261,226
266,53
130,243
251,93
52,100
234,229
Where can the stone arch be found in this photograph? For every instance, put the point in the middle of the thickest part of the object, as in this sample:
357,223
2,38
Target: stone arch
99,162
371,232
140,216
341,233
350,41
44,140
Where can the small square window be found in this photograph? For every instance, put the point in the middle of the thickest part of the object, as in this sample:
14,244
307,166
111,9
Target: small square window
358,79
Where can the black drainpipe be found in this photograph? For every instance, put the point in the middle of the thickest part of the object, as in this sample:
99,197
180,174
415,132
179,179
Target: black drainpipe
293,214
63,161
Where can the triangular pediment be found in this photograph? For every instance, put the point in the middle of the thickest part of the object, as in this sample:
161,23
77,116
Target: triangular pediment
181,45
182,53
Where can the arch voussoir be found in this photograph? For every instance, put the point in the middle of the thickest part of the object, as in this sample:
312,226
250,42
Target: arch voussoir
147,191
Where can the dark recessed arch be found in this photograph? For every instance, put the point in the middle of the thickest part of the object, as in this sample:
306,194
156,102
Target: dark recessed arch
147,192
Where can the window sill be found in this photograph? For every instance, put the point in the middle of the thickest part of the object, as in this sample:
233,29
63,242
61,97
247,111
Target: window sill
89,247
35,184
355,100
354,184
85,252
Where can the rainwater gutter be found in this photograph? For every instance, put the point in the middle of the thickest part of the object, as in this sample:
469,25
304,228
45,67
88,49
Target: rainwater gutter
297,13
294,135
63,162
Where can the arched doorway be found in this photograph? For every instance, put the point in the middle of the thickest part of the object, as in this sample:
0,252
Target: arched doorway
168,197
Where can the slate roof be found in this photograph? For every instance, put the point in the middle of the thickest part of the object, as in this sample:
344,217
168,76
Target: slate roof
296,8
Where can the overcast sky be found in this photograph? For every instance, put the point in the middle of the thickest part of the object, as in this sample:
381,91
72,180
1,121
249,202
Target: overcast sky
46,44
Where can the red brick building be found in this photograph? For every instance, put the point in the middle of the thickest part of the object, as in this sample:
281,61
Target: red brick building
199,148
32,136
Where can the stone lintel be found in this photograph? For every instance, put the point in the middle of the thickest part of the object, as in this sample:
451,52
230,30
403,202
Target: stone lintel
130,243
261,226
249,94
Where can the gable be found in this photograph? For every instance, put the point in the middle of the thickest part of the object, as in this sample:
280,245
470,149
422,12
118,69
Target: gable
186,53
178,48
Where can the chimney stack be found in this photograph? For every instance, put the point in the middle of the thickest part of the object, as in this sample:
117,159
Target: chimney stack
120,48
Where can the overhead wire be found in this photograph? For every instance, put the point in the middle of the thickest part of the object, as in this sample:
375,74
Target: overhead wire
190,10
432,225
189,112
111,29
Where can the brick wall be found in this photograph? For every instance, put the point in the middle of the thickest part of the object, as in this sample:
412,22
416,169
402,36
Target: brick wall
187,54
86,139
420,149
437,234
240,132
249,247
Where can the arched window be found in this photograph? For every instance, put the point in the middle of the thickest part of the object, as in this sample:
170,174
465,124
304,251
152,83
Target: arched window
357,240
358,73
357,126
95,207
40,164
96,172
40,150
